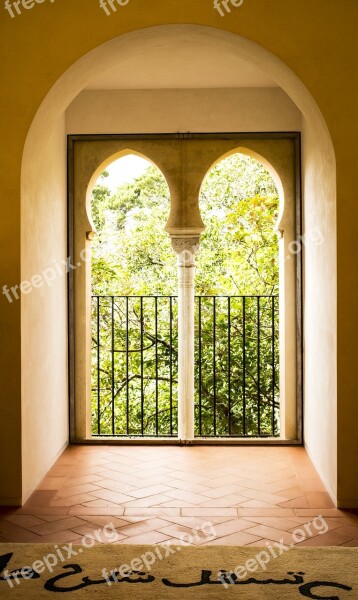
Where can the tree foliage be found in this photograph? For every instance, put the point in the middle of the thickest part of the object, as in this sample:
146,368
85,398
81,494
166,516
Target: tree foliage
135,369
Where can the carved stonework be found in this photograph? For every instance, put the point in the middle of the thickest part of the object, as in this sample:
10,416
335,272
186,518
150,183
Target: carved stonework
186,248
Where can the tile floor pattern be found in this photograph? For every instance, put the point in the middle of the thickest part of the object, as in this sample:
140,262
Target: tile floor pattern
156,494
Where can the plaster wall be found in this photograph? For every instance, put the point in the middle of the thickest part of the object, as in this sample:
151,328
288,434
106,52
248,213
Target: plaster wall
44,322
171,110
320,308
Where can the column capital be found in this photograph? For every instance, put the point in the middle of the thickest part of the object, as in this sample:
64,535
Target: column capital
186,247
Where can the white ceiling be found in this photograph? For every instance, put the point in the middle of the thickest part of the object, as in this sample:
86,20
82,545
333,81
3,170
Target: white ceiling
189,66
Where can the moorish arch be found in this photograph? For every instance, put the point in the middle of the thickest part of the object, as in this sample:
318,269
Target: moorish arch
319,201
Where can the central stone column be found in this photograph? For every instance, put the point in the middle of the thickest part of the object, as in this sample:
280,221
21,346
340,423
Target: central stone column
186,249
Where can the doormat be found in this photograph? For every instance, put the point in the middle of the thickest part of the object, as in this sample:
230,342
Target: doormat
166,572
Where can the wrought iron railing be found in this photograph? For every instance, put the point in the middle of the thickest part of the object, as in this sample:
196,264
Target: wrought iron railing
135,366
237,366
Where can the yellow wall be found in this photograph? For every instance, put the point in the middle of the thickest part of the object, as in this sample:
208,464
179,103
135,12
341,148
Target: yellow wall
44,311
317,40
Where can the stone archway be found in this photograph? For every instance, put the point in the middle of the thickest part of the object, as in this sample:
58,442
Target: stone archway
320,208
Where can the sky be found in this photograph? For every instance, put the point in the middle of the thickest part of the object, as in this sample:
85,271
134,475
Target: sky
125,170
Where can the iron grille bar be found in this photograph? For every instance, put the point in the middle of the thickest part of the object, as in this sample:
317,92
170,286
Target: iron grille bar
229,359
135,361
113,365
156,366
199,366
98,371
244,365
273,365
171,362
258,368
214,362
142,365
127,363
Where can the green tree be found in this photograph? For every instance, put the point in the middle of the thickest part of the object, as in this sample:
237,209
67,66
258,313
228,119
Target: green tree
132,256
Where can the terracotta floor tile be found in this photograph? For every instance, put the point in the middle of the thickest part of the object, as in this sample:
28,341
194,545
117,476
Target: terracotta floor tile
275,511
240,538
51,518
151,538
325,512
232,526
51,483
263,496
351,544
291,493
347,519
72,480
99,503
60,537
100,521
187,534
55,526
272,487
153,480
224,490
88,470
283,484
188,486
84,488
319,500
43,510
91,511
197,522
270,533
347,530
331,538
98,534
186,496
143,527
276,522
72,500
221,481
176,504
25,521
263,543
187,476
300,502
13,533
115,497
151,512
59,471
231,500
147,502
153,490
311,484
209,512
255,504
174,542
115,486
314,527
41,498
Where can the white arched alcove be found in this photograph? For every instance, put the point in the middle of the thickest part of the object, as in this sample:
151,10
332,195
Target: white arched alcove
43,223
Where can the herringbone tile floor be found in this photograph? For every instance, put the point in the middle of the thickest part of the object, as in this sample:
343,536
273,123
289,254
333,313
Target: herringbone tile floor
193,495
